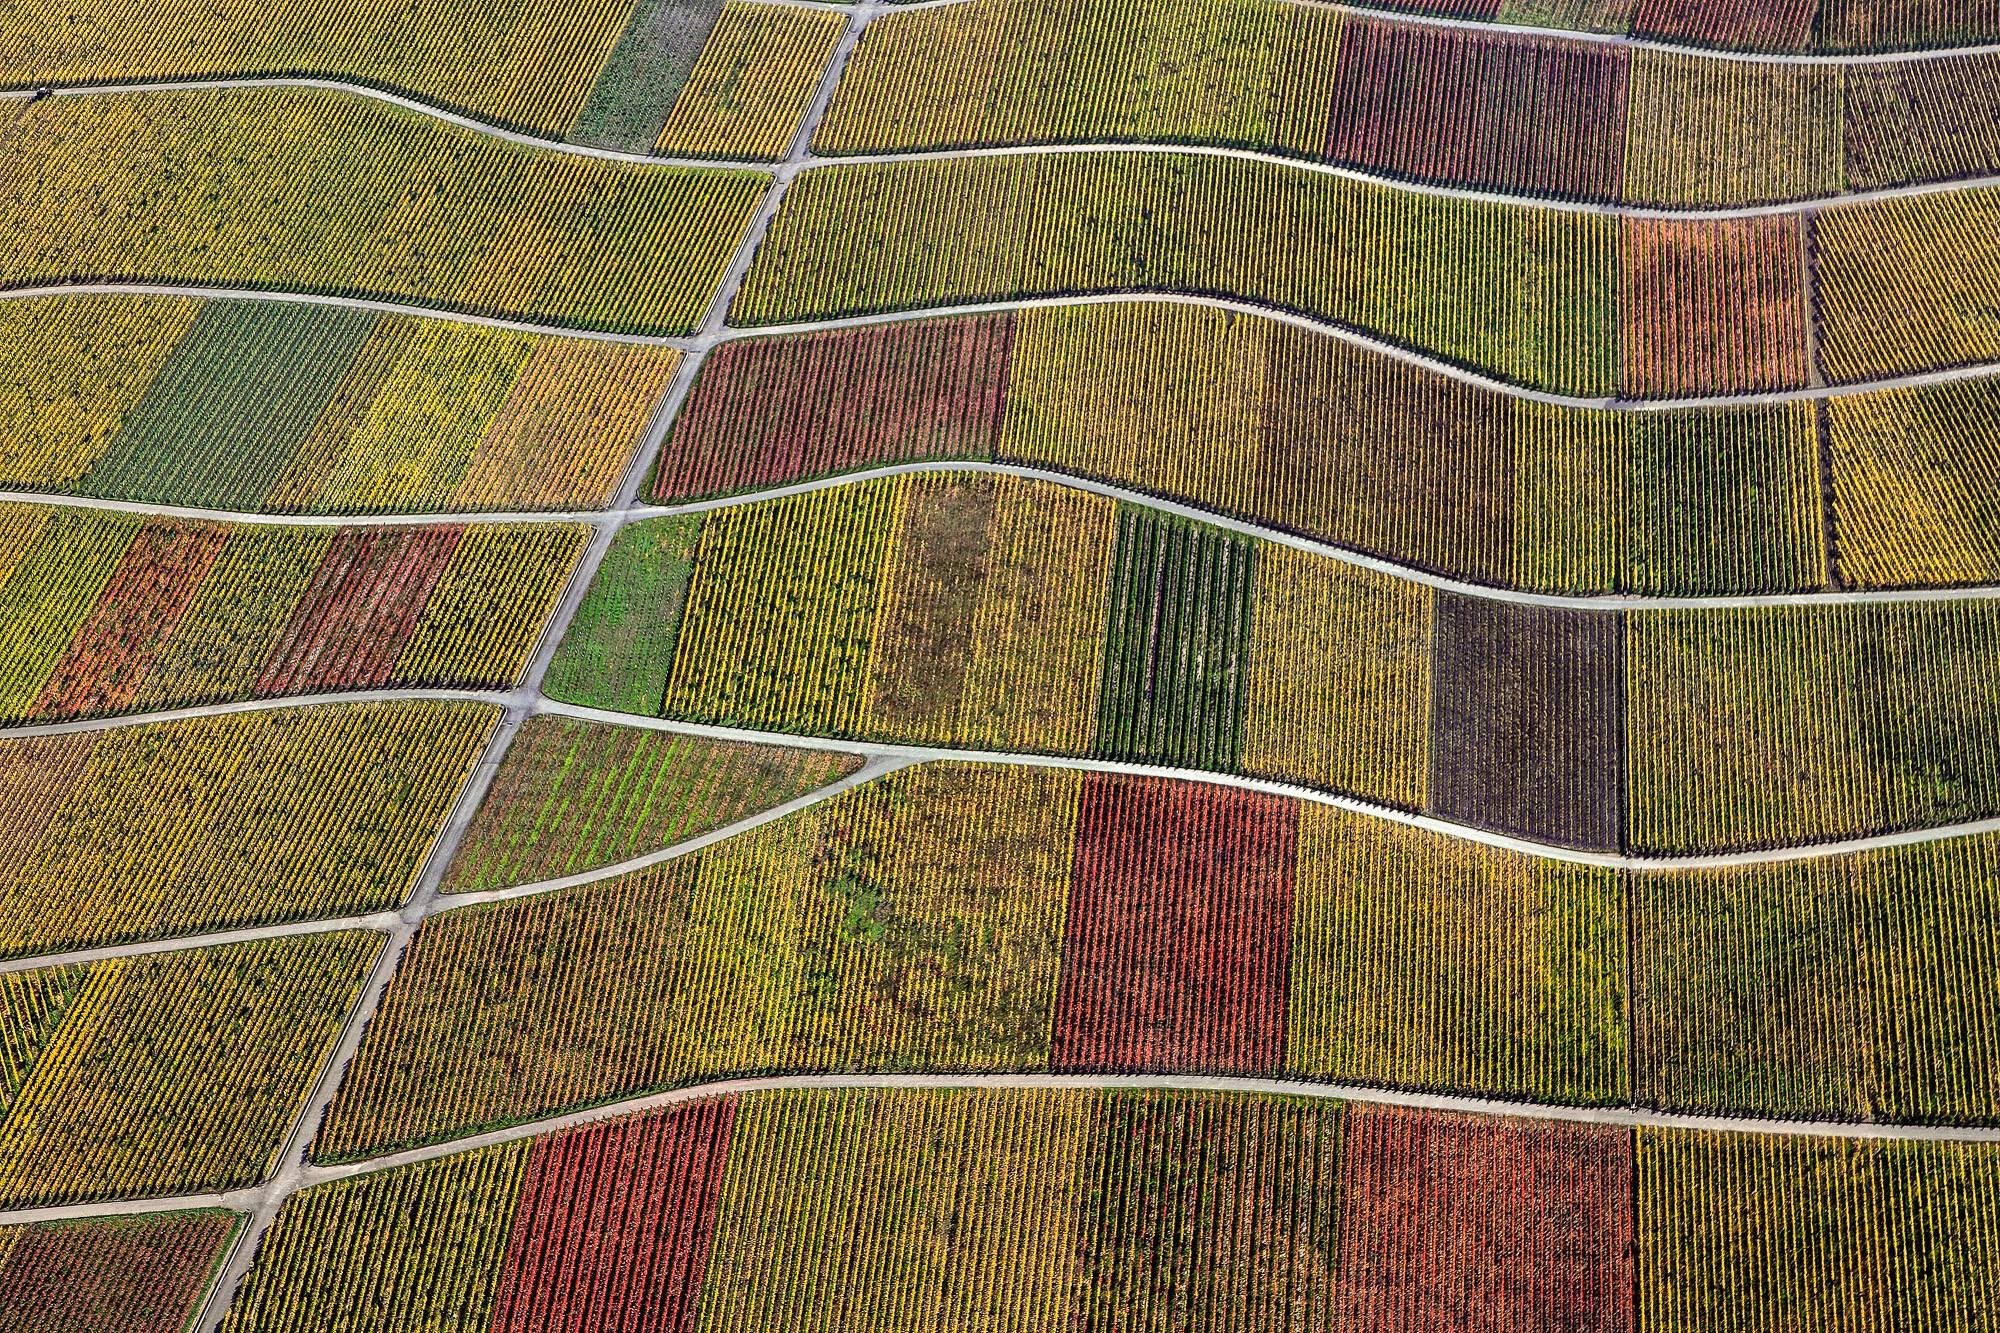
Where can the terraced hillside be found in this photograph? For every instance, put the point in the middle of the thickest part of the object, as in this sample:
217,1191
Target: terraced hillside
698,665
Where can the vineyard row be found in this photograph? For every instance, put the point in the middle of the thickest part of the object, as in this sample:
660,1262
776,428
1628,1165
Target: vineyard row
1271,424
310,191
310,409
975,918
1469,107
1573,302
1001,613
103,612
687,78
919,1210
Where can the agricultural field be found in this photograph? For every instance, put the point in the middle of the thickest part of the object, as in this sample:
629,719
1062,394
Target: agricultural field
573,796
1476,107
935,1209
246,405
892,610
709,78
1047,666
171,1073
139,1274
969,917
104,612
203,824
504,230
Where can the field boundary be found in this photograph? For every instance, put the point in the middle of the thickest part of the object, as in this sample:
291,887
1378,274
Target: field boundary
1362,1094
637,512
809,161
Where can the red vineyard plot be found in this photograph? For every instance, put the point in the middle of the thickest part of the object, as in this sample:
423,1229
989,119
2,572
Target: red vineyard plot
359,610
1764,25
147,595
612,1230
1177,948
1482,1225
769,411
1526,114
1714,308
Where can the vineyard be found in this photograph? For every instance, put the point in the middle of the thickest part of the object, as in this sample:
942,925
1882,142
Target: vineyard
1000,666
310,409
968,917
504,230
169,1073
748,90
933,1210
1481,108
930,609
1257,420
1549,299
204,824
107,613
141,1274
574,796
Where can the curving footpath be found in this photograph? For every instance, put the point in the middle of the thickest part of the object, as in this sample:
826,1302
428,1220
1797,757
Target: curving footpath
636,511
806,160
1615,1116
711,337
882,757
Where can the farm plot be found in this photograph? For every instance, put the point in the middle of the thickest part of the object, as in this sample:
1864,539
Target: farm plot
207,824
1248,73
1426,961
1903,286
573,796
1923,120
1710,307
928,609
1453,1221
747,92
290,408
1526,721
501,230
525,65
138,1274
771,410
1523,115
107,613
1177,939
1771,727
1911,481
913,923
1853,987
1705,132
1890,1234
1526,295
1280,426
170,1073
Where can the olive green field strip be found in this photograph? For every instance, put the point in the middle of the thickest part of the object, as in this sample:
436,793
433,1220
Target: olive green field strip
1052,1208
997,613
317,192
618,79
1448,104
107,612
